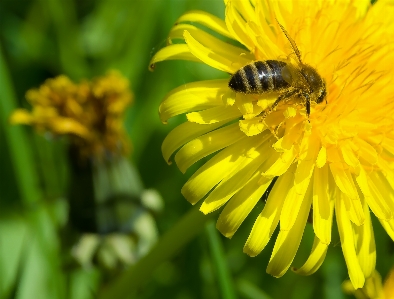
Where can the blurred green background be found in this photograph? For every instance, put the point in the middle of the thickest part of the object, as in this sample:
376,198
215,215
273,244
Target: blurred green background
41,39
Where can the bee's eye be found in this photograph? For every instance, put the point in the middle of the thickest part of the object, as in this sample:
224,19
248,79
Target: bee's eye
322,96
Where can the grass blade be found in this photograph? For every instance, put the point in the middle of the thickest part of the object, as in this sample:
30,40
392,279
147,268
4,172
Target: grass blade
219,259
17,141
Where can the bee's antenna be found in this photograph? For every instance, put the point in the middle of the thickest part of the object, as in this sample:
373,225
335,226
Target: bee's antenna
292,42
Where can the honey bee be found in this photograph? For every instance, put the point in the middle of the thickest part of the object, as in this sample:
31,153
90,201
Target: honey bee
290,79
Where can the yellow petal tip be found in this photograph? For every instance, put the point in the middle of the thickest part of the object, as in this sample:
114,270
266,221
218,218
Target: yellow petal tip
249,252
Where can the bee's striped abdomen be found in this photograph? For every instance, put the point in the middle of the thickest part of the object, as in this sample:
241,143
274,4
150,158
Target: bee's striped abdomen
259,77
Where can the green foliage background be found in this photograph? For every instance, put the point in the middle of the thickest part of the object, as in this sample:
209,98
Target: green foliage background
40,39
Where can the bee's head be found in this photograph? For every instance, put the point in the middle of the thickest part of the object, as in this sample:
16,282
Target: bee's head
315,83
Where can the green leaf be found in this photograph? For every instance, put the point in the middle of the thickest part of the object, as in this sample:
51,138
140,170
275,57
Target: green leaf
13,233
168,245
84,283
41,272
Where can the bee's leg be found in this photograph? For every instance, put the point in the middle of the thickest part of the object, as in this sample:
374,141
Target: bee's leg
288,95
283,97
307,105
276,131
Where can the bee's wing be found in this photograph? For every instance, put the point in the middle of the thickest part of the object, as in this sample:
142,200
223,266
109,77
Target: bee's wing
296,73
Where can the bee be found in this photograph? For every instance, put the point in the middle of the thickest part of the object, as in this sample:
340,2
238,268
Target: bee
290,79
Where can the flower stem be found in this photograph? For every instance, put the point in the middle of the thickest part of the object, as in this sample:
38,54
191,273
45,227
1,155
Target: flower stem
218,256
168,245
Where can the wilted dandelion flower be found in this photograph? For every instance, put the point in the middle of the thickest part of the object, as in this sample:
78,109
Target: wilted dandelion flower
90,112
340,157
107,203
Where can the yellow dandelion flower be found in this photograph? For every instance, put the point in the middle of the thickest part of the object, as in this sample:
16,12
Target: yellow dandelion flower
338,157
373,287
90,112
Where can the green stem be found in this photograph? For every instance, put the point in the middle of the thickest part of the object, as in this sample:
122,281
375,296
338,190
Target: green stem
218,256
168,245
19,147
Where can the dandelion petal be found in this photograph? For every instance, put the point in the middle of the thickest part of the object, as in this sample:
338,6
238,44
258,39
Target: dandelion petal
206,19
193,96
323,205
282,164
240,205
214,115
365,246
345,183
213,171
183,134
388,226
315,259
347,243
234,181
268,219
206,144
252,127
173,52
373,196
211,57
288,241
211,42
321,157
